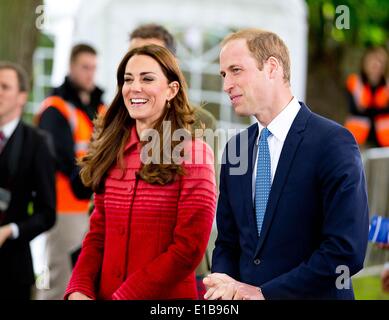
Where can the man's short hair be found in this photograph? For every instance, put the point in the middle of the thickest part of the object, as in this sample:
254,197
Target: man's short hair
23,79
81,48
148,31
263,45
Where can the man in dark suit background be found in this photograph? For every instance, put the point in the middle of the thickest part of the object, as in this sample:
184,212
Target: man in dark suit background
26,177
298,227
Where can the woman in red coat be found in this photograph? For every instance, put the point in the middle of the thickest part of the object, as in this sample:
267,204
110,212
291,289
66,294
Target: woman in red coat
154,200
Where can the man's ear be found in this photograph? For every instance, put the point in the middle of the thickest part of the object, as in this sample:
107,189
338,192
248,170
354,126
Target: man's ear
174,86
273,67
22,98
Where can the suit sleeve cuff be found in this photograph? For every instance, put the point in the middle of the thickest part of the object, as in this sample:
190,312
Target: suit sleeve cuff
15,231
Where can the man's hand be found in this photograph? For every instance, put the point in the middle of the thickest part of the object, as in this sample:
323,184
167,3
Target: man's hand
78,296
385,280
5,233
222,287
248,292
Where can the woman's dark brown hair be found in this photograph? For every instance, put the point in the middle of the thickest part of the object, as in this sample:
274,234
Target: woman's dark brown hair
112,130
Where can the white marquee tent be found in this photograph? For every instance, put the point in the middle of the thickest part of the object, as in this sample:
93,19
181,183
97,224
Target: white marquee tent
199,26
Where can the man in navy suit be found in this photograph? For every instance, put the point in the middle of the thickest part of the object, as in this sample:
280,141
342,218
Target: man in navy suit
294,225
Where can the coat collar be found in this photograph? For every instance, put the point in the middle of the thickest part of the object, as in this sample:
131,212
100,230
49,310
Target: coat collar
133,140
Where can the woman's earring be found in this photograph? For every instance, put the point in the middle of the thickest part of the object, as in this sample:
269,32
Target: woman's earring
168,104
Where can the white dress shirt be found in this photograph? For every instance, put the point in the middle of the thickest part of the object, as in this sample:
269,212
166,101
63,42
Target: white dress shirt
8,129
279,128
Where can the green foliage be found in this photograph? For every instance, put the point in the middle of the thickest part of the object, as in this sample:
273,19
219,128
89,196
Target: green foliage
18,32
369,22
369,288
45,40
30,208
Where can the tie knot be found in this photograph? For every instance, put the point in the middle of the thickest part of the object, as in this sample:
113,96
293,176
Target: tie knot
265,133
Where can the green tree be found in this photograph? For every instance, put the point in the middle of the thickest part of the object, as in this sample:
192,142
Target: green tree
335,51
18,32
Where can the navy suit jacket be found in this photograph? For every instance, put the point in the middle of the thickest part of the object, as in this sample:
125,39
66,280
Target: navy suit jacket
316,223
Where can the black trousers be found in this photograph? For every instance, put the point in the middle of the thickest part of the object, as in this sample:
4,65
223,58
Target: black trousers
15,291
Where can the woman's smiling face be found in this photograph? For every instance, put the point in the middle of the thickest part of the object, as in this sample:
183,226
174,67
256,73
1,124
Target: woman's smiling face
146,89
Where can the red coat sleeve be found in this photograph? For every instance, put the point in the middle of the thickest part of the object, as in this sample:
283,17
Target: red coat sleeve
196,209
85,274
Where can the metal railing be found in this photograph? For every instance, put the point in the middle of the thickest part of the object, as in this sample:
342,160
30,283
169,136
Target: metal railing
376,164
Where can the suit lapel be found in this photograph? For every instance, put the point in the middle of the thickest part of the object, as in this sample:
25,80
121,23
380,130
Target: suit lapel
247,186
291,144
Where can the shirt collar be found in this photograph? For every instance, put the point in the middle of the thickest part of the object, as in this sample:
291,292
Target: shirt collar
9,128
280,125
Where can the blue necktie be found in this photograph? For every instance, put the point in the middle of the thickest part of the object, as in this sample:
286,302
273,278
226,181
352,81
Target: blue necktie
263,180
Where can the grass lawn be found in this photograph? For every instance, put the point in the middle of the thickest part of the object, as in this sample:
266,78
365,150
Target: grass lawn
369,288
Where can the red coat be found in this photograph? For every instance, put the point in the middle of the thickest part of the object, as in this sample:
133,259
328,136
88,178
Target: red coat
145,241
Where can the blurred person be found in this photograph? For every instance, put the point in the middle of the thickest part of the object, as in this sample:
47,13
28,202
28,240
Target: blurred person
147,34
67,114
151,33
301,211
368,96
151,221
385,278
385,271
156,34
26,178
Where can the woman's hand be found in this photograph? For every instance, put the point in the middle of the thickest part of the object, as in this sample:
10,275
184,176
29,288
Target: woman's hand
78,296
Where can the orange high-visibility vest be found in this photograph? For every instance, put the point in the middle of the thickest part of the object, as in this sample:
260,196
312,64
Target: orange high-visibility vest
364,99
82,129
359,126
382,129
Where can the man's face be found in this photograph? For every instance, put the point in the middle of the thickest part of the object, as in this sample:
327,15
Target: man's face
12,99
374,66
140,42
246,85
83,70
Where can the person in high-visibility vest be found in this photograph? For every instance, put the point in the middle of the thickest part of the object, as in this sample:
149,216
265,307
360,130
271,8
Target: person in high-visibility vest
385,271
368,95
67,114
